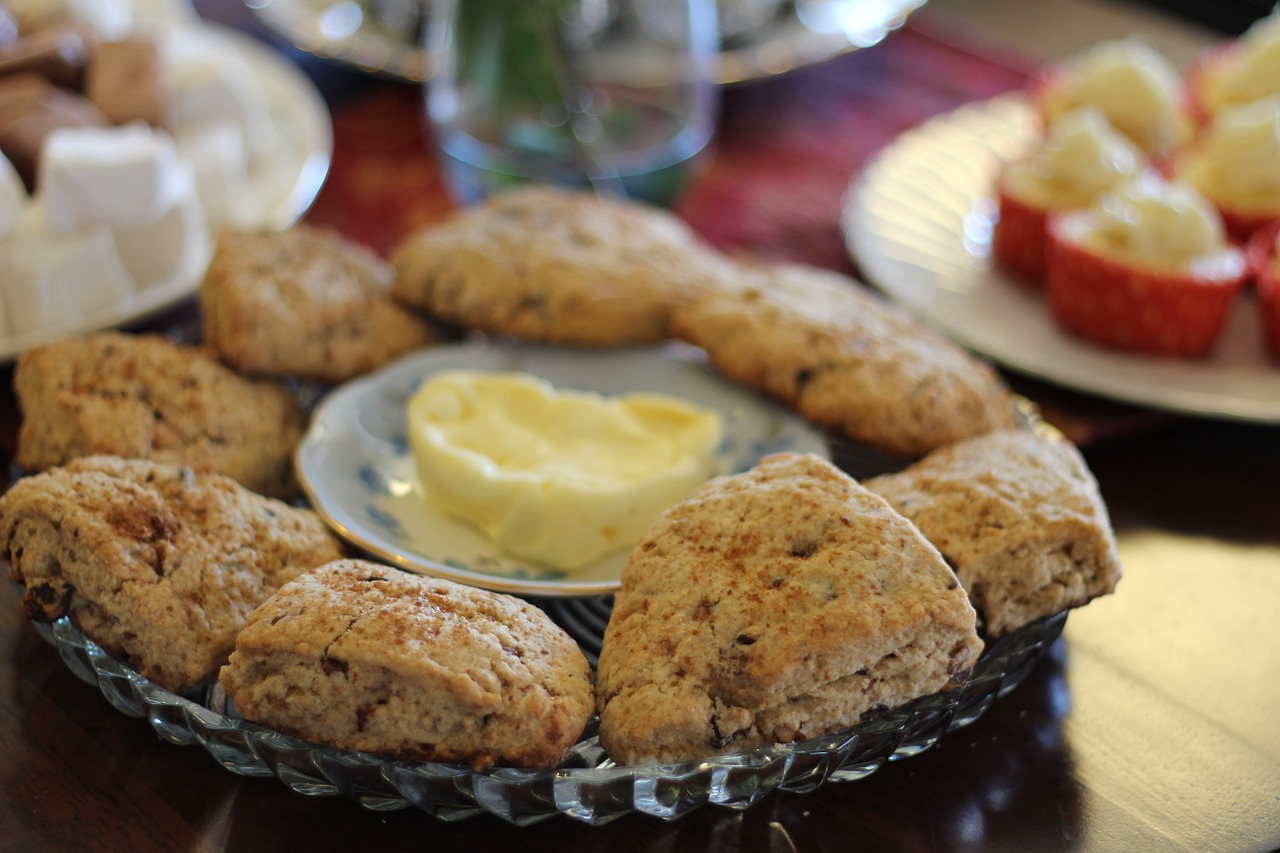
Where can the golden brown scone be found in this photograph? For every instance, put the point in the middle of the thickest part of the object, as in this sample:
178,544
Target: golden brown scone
1018,517
557,266
845,359
142,396
364,656
304,302
774,606
159,565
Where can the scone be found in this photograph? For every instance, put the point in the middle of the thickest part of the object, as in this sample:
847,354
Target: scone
772,606
304,302
364,656
146,397
1018,517
846,359
159,565
556,266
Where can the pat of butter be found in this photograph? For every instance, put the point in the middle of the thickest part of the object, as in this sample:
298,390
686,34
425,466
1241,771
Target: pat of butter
560,477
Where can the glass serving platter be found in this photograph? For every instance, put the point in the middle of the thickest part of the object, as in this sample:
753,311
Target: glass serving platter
586,786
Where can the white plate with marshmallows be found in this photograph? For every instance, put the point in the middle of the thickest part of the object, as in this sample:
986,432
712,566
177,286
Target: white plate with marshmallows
120,224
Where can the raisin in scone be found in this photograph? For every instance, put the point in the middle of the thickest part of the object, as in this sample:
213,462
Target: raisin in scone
556,266
1020,520
773,606
304,302
160,565
846,359
142,396
364,656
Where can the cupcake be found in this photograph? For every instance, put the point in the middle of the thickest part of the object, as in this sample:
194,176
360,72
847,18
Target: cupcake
1236,164
1147,267
1135,87
1080,157
1236,72
1264,263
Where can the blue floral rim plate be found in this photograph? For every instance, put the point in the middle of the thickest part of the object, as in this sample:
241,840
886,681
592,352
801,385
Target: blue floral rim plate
358,470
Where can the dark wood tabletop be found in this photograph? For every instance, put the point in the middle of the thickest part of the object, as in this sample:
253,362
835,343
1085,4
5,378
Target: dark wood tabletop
1152,725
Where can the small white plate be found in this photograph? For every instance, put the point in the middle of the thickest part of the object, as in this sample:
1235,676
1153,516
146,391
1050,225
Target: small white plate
277,194
358,470
918,222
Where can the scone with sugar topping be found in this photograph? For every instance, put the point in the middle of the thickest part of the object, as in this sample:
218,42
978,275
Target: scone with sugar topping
304,302
845,359
1019,518
145,397
556,266
158,564
364,656
773,606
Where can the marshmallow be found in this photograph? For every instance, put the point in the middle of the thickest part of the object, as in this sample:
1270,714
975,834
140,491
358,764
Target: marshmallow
13,196
114,175
214,85
54,281
216,152
156,251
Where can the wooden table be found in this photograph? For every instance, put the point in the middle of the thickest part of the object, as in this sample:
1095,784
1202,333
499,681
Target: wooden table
1153,725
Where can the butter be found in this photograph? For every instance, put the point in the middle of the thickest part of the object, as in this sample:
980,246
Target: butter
558,477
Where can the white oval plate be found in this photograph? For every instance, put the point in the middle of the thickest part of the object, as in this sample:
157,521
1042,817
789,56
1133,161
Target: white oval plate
918,222
358,470
278,194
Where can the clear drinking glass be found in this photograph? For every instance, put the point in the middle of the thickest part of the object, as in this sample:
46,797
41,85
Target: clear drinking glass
616,95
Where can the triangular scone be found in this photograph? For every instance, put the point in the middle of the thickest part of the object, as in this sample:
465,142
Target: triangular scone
557,266
773,606
844,358
1018,517
159,564
304,302
145,397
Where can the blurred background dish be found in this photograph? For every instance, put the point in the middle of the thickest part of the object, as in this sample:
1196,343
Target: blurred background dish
278,184
759,38
918,221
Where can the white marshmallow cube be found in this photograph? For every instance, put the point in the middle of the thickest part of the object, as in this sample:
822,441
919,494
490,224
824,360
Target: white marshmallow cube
216,152
53,281
154,252
13,196
106,175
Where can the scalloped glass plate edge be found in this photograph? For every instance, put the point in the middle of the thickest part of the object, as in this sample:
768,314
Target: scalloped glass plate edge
586,787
